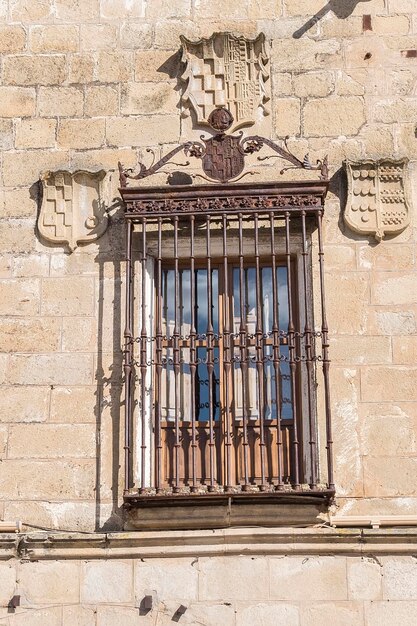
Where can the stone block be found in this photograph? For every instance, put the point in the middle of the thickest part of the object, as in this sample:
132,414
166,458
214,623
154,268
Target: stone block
301,55
128,616
74,404
107,581
81,133
77,10
30,10
22,168
287,116
340,613
385,478
19,203
98,36
6,134
146,98
395,110
52,582
16,236
277,614
81,68
7,582
4,436
283,84
390,613
340,257
51,441
333,116
155,65
47,480
5,266
17,101
301,7
402,6
54,38
103,159
386,257
12,39
101,100
311,579
4,362
38,617
34,70
115,9
29,335
76,515
172,579
394,288
346,296
400,578
78,615
313,84
364,579
143,131
391,24
19,297
115,66
387,384
79,334
392,426
69,295
349,84
348,28
167,34
35,133
248,579
393,321
136,35
68,101
24,404
361,350
377,141
31,266
53,369
79,263
166,10
404,350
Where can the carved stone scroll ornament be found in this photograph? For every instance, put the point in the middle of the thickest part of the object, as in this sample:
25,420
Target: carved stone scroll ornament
228,71
377,201
73,207
223,156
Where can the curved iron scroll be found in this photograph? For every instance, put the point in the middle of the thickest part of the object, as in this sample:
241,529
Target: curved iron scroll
222,156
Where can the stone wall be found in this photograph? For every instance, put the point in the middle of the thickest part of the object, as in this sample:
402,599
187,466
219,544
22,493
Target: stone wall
87,84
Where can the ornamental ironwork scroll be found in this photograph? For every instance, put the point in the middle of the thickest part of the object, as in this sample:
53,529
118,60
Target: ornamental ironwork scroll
223,155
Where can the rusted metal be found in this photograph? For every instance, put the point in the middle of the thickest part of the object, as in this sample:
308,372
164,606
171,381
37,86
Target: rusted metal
193,357
158,365
128,360
143,361
210,355
223,156
177,364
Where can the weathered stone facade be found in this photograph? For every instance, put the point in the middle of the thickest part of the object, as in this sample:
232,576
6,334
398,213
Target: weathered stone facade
87,84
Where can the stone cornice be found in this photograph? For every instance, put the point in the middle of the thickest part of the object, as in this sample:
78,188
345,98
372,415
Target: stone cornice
254,541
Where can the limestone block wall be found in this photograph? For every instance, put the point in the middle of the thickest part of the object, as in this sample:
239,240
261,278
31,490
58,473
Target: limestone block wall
85,84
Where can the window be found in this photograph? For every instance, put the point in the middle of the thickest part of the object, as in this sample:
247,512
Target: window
231,342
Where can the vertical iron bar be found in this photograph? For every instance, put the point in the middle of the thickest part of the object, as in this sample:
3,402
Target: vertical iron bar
226,359
128,357
276,350
143,359
309,357
177,365
259,351
325,356
243,356
291,351
158,429
210,354
193,357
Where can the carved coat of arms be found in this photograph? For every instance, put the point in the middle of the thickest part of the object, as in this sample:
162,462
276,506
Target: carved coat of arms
377,197
227,71
73,207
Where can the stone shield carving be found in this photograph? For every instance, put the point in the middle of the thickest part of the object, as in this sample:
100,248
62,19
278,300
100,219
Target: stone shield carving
73,207
225,70
377,201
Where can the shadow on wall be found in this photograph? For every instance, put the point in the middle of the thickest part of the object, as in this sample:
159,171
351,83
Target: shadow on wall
341,8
